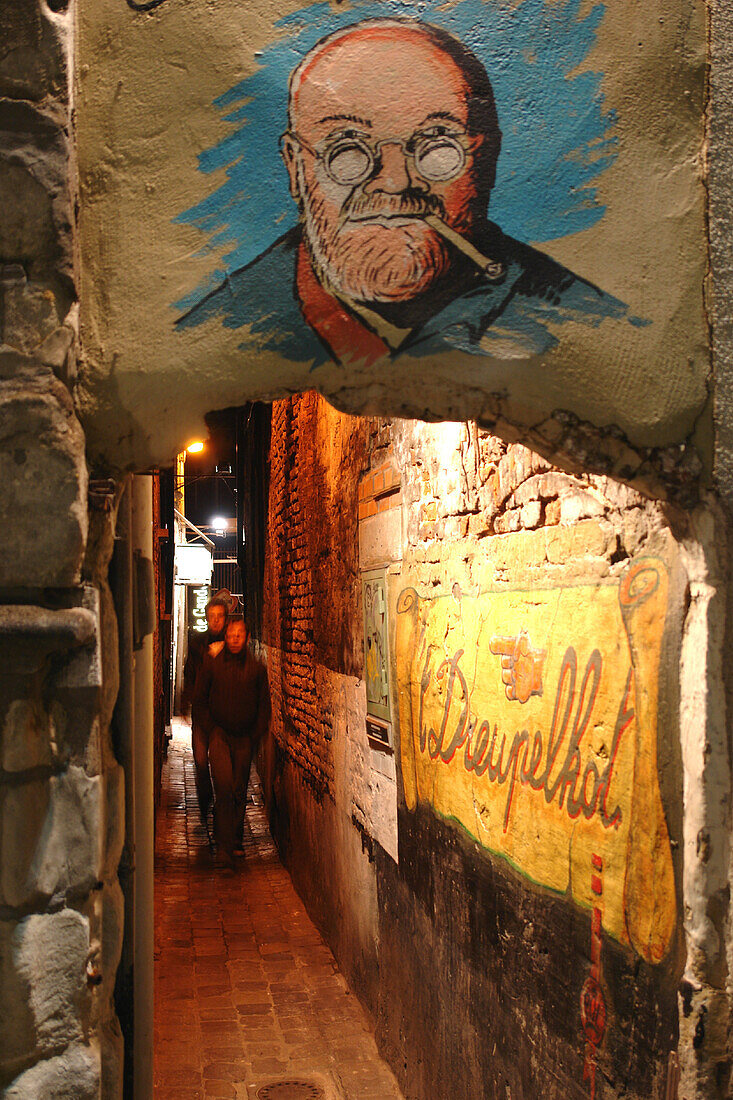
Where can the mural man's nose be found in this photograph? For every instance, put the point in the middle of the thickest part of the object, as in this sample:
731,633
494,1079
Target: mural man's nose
391,172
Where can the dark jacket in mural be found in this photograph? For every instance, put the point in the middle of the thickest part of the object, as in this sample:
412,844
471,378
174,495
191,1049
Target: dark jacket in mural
288,311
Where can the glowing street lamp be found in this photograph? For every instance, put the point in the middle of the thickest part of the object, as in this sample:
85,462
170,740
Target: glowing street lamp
219,524
195,448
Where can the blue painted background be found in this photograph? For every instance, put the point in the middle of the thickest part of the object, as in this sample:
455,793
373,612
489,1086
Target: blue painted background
556,135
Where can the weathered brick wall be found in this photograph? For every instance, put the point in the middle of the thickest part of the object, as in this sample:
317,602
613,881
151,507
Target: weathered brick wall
311,587
464,483
303,734
313,641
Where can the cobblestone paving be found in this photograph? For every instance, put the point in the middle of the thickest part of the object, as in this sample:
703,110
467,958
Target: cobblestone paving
246,991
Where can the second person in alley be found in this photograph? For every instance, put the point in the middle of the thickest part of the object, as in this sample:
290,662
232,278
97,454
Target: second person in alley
233,703
199,645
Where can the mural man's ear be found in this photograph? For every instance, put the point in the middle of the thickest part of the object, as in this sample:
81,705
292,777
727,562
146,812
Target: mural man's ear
289,150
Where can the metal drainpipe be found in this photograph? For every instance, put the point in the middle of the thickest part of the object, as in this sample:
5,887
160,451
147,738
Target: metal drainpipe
144,828
124,723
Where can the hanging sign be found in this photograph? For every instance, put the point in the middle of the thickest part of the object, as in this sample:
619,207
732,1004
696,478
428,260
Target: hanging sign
198,595
194,564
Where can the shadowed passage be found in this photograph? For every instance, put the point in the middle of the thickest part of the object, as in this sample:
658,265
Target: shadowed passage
246,991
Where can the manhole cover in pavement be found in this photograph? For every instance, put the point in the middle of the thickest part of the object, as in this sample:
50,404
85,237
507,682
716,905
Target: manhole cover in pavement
291,1089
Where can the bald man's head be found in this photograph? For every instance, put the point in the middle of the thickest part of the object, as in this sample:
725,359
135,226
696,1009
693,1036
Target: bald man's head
406,35
389,121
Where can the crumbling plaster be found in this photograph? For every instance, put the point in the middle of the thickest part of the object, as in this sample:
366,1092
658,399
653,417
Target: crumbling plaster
612,523
705,987
720,192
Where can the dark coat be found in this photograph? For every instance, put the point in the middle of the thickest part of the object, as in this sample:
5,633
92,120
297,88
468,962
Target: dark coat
197,646
232,695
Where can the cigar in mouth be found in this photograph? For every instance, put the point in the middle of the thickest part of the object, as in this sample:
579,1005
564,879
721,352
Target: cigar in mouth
492,269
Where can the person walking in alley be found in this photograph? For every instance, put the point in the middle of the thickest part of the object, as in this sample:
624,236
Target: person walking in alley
209,642
232,700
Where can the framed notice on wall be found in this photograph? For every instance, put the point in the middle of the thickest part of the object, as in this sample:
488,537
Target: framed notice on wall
376,650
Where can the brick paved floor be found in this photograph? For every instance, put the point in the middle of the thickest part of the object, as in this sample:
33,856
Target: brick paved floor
246,991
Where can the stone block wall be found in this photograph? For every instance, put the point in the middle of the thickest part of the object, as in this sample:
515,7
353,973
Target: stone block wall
480,977
61,790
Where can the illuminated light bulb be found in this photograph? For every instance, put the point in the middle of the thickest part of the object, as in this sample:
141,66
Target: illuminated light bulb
219,524
195,448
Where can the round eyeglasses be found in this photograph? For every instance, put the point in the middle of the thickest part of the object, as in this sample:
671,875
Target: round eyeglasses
351,159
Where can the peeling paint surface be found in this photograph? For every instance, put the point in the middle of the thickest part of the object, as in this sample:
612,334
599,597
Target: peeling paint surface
533,726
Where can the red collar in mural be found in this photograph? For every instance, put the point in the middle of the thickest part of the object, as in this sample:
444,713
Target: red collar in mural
347,338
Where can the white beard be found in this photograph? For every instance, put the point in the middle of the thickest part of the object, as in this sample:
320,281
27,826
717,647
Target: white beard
370,261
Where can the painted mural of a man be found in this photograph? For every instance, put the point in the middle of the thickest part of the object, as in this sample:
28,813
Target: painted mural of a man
391,150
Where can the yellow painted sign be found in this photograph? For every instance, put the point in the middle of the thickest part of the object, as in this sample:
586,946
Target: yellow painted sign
530,719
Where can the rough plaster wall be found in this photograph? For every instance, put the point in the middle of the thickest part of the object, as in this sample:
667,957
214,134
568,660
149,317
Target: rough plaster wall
720,287
61,792
705,1004
635,395
710,684
462,483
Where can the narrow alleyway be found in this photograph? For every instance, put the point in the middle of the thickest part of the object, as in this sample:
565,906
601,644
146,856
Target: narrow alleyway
246,992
